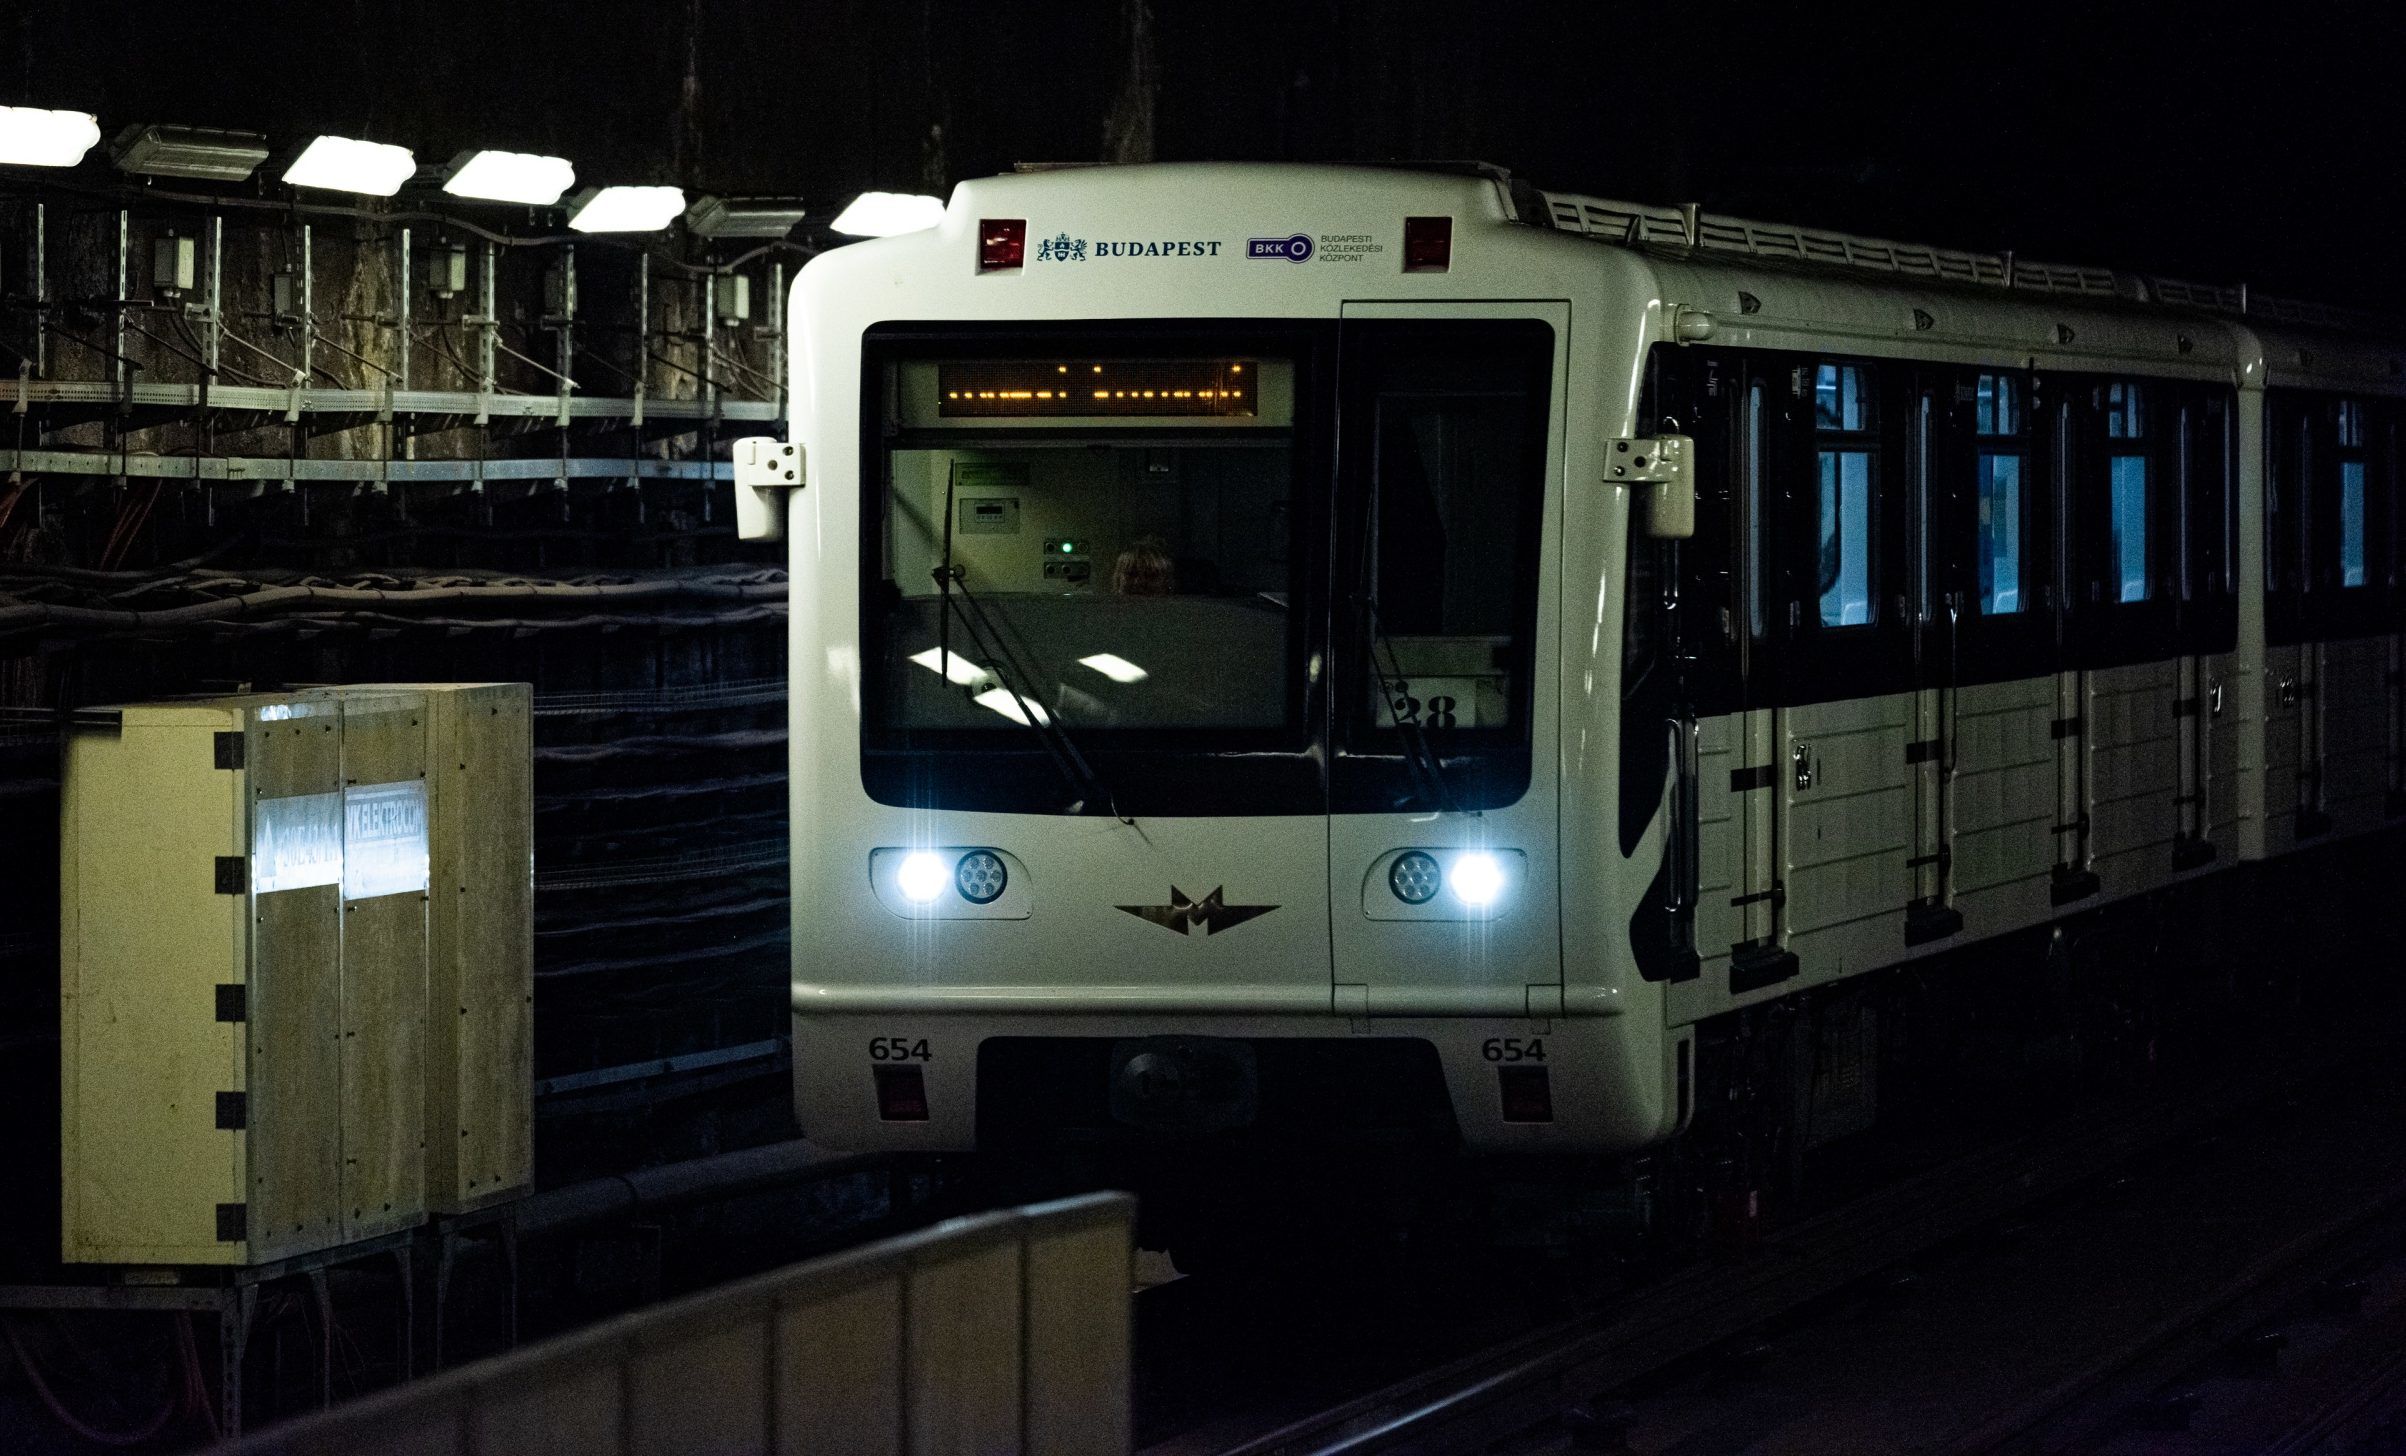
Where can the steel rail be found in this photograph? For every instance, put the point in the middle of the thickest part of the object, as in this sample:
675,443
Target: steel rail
2374,1391
1528,1379
2084,1406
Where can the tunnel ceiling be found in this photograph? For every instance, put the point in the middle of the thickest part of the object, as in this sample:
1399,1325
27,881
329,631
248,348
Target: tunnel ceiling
2257,146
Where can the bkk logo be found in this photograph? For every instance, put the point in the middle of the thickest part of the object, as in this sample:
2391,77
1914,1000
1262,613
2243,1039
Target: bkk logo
1297,249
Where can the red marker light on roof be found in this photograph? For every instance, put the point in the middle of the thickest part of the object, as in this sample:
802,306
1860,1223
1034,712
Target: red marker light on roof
1428,244
1002,242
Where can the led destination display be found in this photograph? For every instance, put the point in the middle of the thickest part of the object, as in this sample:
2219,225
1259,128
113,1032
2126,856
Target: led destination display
1121,387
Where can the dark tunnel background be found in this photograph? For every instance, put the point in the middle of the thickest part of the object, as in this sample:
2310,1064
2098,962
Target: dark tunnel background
2223,143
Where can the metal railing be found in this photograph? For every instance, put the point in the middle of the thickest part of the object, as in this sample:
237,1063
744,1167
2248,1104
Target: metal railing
1000,1332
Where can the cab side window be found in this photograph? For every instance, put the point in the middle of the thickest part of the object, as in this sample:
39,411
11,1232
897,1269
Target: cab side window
2126,422
2000,424
2348,428
1846,453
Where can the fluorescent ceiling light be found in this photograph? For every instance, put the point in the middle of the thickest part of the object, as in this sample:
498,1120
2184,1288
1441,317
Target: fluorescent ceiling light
1005,702
883,214
205,152
625,209
1115,667
957,670
510,177
33,137
743,217
340,164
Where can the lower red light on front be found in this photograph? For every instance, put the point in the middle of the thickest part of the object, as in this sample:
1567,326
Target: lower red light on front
901,1094
1528,1095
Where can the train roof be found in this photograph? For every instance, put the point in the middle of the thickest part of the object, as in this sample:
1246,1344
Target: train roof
1996,297
1786,285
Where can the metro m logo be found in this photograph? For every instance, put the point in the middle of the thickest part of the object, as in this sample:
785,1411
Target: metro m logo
1211,912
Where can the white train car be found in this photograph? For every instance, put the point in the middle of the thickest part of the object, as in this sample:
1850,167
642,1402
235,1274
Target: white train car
1253,679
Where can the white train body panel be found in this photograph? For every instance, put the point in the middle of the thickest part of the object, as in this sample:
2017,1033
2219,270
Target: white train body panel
1316,965
1834,832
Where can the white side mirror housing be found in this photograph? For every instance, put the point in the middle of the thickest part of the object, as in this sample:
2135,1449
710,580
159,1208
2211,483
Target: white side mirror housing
766,469
1661,474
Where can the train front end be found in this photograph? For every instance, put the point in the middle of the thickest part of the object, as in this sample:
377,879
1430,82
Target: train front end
1206,639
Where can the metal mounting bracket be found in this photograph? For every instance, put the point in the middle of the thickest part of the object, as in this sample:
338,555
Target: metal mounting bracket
1665,466
765,469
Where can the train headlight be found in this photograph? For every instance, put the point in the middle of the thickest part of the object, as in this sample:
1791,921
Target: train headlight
1476,879
981,877
922,883
1414,877
922,877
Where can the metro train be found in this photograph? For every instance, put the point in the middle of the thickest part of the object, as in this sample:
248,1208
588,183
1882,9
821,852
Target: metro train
1313,659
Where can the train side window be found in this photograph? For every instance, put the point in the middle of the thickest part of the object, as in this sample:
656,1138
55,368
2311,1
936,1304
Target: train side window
2204,506
2289,462
2349,428
2385,482
1846,448
2126,434
1757,505
2000,418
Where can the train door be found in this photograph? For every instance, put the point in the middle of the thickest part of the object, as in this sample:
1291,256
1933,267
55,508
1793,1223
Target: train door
2330,727
2204,717
2126,750
2389,476
2072,449
1735,405
1993,625
1842,599
2349,607
1766,411
1443,826
2287,462
1940,463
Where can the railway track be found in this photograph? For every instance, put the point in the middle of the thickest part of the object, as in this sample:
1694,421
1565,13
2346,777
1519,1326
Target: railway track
1747,1356
2302,1350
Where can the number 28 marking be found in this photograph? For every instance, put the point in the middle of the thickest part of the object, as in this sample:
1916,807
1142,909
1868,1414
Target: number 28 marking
1405,708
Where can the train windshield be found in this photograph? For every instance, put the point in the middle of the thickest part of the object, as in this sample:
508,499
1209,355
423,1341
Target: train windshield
1084,546
1098,567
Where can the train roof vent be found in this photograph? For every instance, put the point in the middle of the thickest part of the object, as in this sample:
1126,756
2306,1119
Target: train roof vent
2213,297
1628,223
2079,278
2318,315
1634,224
1849,250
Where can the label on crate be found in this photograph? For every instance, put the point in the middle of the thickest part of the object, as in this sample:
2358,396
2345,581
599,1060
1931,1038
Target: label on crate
384,839
296,842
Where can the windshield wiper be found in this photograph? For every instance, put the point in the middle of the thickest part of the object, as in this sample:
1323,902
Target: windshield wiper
1083,781
991,645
